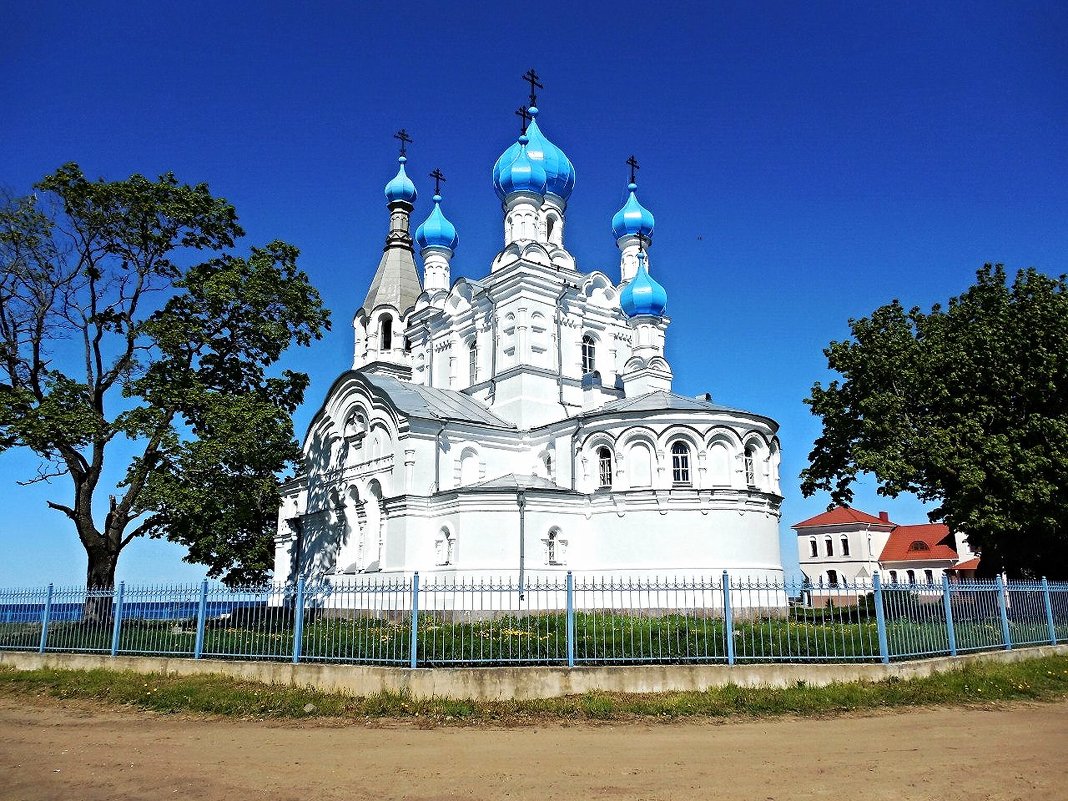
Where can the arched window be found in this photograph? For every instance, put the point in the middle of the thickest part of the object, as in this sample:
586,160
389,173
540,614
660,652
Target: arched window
589,354
919,545
469,468
680,464
832,578
472,363
385,333
640,465
845,545
928,576
446,548
548,462
893,577
555,548
604,468
828,546
911,575
813,551
750,470
550,227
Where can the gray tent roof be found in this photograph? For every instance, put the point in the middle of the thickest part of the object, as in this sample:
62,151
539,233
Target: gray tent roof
662,400
433,403
513,481
396,282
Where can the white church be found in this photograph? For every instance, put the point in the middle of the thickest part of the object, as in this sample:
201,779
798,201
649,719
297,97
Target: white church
524,423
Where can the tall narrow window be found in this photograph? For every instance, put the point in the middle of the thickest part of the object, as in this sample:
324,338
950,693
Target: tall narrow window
385,335
928,576
589,355
832,578
604,468
472,363
446,548
750,470
550,227
555,548
549,466
845,545
680,464
828,546
911,575
893,577
812,549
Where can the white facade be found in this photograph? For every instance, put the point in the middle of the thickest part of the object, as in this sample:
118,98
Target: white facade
523,422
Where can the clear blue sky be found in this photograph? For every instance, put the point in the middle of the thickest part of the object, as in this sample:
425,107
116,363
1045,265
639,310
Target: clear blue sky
805,163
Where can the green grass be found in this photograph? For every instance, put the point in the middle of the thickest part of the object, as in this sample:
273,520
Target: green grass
844,635
1044,679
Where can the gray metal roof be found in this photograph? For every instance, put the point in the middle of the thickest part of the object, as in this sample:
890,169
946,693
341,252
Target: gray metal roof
513,481
433,403
396,282
662,400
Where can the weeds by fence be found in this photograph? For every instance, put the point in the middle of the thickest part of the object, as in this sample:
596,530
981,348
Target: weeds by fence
550,621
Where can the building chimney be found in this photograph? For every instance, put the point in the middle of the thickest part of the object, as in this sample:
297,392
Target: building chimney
885,517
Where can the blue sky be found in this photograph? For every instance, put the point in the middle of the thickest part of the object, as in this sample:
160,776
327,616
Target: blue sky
805,163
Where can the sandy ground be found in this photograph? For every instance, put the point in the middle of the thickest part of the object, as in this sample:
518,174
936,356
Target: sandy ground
53,750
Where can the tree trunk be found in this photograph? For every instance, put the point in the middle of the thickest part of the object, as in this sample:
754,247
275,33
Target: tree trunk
100,576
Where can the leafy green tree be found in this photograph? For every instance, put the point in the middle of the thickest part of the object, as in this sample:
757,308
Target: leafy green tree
118,342
965,406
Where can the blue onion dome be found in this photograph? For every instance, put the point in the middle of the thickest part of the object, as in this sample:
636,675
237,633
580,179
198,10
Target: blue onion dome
437,231
401,187
633,218
559,173
643,295
522,174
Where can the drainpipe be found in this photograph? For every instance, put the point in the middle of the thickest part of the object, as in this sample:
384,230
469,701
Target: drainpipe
521,500
574,440
437,457
560,348
493,348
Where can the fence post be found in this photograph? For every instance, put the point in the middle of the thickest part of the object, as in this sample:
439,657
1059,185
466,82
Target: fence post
414,648
298,621
202,616
46,616
1003,606
728,618
1049,612
116,628
570,627
880,619
951,632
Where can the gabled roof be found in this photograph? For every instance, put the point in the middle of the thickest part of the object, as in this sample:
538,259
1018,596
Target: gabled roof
433,403
967,564
840,516
923,542
662,400
514,481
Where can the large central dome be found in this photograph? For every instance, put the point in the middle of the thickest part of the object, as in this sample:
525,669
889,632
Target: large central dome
559,172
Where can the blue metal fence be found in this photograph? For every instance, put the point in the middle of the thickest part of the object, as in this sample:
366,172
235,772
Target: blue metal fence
552,619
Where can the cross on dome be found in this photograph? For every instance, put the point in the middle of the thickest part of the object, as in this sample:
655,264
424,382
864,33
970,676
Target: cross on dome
532,78
439,179
405,140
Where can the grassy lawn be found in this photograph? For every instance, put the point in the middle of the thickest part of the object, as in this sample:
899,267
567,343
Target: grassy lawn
600,638
1043,679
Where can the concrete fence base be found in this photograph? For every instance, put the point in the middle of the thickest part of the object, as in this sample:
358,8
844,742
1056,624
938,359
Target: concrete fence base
523,683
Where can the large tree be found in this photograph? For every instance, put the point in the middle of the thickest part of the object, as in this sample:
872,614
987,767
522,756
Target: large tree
965,406
130,331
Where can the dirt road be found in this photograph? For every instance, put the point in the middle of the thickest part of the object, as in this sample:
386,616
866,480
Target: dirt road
50,750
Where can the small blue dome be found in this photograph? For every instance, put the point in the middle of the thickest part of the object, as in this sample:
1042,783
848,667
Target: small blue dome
401,187
521,174
437,231
643,295
559,173
633,218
